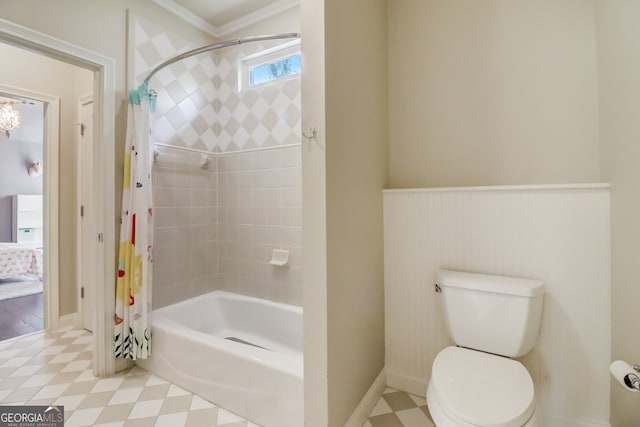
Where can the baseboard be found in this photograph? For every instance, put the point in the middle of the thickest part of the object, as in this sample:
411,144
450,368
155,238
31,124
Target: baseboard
411,385
70,320
364,408
552,421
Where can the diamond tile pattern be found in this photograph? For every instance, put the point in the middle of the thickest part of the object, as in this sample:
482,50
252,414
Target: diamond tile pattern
48,368
399,409
198,102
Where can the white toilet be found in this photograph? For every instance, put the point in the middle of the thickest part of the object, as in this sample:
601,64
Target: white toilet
491,319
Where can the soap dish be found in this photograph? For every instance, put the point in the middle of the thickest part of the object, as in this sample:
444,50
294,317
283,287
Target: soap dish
279,257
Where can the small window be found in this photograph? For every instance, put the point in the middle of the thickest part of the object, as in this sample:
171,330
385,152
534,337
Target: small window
286,67
271,65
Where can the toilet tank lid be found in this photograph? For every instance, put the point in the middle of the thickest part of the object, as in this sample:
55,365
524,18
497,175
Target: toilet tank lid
490,283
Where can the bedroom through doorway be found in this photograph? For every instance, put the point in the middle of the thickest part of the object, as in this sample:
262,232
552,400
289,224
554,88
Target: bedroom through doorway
21,215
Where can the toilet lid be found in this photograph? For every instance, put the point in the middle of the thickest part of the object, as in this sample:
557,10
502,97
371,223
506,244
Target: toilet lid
482,389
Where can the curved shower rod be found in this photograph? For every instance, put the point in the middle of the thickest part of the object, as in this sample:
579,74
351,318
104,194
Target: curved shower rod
220,45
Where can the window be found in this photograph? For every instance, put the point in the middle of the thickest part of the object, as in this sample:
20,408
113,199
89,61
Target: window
270,65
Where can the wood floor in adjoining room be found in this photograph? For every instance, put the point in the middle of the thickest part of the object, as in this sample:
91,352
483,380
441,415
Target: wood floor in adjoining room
20,316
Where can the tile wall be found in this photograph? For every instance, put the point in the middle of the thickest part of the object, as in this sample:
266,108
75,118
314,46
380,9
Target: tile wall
198,102
265,116
260,209
185,114
216,228
186,229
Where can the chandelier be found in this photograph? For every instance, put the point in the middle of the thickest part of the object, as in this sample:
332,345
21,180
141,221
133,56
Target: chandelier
9,118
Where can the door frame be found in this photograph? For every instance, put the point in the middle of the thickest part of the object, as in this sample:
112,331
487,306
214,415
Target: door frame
51,161
82,101
104,221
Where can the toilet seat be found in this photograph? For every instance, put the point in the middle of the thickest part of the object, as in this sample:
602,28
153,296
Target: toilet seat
472,388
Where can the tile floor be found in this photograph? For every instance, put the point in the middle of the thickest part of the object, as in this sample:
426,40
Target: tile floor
399,409
54,368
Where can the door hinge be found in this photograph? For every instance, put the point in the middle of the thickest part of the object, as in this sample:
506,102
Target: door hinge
81,211
100,237
82,292
83,127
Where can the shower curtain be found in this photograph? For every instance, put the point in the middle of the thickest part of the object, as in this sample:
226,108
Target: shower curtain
132,333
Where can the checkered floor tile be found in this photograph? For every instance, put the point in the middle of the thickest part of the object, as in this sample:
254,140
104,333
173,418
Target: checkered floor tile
54,368
399,409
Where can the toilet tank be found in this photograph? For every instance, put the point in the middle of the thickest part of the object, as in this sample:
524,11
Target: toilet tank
496,314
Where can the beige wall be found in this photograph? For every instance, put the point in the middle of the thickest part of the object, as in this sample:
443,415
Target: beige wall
356,164
492,92
343,172
40,74
619,86
314,214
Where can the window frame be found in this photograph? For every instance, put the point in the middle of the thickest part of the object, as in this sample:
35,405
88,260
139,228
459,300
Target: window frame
266,56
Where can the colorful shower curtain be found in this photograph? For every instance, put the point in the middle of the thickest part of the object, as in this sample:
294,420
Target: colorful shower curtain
132,333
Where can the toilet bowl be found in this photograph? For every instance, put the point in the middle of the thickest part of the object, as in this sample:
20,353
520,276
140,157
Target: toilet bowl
492,320
469,388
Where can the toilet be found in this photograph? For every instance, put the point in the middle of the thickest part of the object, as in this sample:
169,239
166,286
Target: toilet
491,319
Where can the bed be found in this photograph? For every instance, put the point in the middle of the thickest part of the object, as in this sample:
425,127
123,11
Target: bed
17,260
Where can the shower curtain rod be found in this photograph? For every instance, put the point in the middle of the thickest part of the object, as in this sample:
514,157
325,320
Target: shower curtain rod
220,45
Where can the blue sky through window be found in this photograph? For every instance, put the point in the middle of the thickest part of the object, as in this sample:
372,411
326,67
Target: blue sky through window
285,67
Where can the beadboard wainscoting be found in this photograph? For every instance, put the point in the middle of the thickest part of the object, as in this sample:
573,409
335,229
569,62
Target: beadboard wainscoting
559,234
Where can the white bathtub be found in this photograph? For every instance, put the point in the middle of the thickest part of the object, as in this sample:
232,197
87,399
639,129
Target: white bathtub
242,353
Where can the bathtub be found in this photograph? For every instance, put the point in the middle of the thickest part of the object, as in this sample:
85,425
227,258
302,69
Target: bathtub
241,353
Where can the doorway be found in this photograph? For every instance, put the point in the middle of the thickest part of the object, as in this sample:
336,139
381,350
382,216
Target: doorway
57,85
47,205
102,184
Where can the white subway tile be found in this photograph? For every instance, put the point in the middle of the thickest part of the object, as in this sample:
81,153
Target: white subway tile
291,216
274,216
164,237
165,217
260,197
198,233
181,198
291,197
212,216
212,197
199,197
183,215
291,236
182,234
162,197
274,235
199,216
274,198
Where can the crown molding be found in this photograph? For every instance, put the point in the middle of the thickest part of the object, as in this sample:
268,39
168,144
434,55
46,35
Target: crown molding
231,26
188,16
256,16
